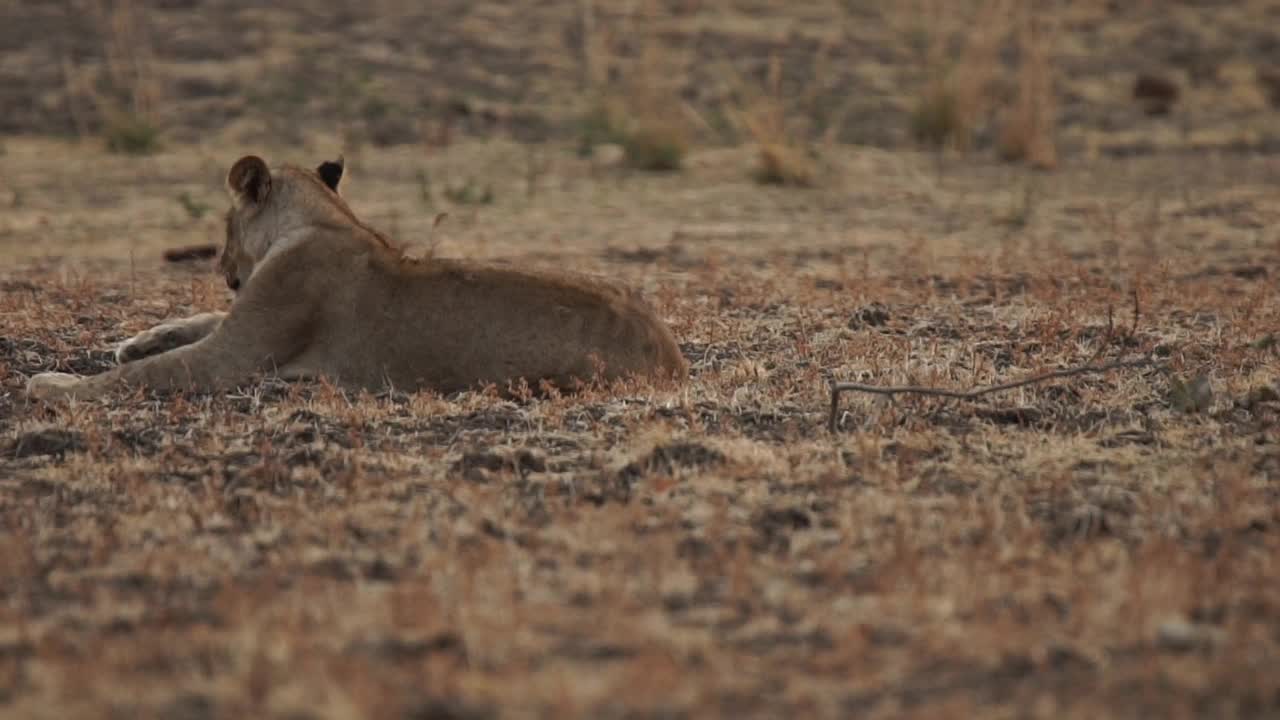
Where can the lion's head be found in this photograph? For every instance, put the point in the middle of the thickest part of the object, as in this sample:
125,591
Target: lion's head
268,209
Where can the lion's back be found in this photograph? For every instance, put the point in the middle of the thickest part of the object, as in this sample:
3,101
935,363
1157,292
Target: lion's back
449,323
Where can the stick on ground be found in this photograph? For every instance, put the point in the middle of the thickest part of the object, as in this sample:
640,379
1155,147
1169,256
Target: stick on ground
192,252
891,390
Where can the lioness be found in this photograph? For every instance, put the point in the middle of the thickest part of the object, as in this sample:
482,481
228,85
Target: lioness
318,292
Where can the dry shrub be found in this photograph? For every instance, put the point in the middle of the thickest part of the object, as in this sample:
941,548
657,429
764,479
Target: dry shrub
649,139
655,138
1027,131
784,165
782,158
642,112
660,147
958,94
130,134
935,119
776,125
961,95
125,92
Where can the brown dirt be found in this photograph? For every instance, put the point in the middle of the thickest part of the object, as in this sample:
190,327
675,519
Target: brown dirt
1100,546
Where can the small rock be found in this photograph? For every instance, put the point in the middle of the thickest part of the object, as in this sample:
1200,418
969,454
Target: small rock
607,155
1064,657
481,465
1156,93
1191,396
873,315
1261,395
665,459
1181,635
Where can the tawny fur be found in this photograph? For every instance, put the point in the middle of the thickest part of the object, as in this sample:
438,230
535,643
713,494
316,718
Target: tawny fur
322,294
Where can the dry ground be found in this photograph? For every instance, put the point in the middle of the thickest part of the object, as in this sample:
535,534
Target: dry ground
1100,546
1103,545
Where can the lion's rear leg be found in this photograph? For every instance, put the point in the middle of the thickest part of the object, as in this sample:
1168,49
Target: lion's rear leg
168,336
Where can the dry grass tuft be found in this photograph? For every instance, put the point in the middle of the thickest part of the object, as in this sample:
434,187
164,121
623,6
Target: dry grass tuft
655,145
1027,133
782,158
776,125
781,164
960,96
936,120
124,93
641,111
649,140
129,134
957,96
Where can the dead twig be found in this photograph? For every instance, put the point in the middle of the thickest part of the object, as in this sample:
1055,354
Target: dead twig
973,393
191,252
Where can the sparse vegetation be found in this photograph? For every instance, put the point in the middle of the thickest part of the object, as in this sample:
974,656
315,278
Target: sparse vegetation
283,97
194,208
601,124
782,164
936,120
131,135
641,112
1022,210
648,140
386,123
782,158
657,147
127,93
425,194
1027,134
960,97
470,192
955,97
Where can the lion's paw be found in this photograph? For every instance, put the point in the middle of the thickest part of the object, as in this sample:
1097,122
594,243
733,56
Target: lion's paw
52,386
168,336
159,339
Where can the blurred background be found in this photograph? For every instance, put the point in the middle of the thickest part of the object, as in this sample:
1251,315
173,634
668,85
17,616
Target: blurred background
1025,80
596,128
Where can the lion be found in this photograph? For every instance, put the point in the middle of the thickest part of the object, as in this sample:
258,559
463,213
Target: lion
318,293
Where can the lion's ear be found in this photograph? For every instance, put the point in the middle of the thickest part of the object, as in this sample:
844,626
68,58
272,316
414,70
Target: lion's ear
249,181
331,172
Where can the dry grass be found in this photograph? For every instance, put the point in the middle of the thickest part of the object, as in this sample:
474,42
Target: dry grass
122,94
961,96
1027,133
640,124
783,164
769,121
1091,546
639,111
957,94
